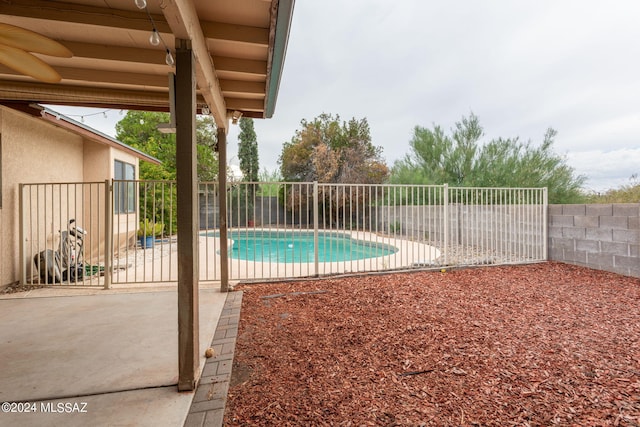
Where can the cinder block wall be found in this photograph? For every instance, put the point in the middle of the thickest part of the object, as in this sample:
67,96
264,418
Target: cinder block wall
604,237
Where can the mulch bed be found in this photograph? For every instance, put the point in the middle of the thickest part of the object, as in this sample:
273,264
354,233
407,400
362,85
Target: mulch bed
537,345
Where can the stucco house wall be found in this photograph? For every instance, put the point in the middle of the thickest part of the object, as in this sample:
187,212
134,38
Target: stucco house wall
32,151
99,163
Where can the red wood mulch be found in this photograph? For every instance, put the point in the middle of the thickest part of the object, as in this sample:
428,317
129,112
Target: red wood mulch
537,345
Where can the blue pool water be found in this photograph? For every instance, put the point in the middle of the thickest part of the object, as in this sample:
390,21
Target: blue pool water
293,246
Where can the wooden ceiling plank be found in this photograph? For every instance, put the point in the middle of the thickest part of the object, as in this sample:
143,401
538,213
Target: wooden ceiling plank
235,33
81,14
104,77
240,104
86,96
246,66
256,88
115,53
138,79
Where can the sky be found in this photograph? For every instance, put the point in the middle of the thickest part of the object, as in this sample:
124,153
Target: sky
520,66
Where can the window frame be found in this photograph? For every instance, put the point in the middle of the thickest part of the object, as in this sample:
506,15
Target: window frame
124,194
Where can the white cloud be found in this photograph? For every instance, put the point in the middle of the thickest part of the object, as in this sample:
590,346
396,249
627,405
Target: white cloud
606,169
520,66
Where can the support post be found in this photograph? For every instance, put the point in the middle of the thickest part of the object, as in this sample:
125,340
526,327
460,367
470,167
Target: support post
187,189
222,202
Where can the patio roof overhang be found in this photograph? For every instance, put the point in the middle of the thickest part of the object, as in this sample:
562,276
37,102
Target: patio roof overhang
228,55
239,48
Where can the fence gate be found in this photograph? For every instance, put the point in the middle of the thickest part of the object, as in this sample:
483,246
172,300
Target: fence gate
144,232
64,233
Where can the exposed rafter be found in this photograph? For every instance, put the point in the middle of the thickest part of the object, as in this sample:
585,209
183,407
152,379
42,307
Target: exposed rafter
90,96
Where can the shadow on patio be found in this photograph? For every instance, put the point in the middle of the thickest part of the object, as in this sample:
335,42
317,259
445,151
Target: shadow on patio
115,350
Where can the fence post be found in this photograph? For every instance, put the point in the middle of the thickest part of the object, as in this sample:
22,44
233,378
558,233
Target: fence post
23,255
545,225
316,262
446,221
108,234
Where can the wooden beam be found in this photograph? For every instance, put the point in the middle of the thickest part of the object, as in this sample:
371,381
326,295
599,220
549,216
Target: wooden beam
187,209
183,19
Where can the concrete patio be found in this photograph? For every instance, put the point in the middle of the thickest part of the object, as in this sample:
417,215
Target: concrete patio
109,355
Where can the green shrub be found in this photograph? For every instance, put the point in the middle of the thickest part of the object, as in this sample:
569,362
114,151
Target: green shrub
150,228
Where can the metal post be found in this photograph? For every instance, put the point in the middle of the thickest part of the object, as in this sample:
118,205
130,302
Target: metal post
108,234
316,263
23,255
445,202
186,177
545,223
222,202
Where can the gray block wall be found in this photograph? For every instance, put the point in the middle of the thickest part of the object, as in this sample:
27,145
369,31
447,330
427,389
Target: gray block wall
604,237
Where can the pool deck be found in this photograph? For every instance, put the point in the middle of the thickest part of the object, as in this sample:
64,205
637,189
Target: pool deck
159,264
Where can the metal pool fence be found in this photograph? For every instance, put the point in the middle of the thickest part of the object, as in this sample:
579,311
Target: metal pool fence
292,229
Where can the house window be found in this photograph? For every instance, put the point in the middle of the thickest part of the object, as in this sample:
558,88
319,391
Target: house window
124,193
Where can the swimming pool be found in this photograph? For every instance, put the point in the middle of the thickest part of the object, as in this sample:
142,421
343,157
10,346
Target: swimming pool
297,246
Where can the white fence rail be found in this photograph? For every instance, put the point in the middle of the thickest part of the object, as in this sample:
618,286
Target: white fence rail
290,229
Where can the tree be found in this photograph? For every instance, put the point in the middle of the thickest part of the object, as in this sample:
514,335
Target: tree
326,150
330,151
459,159
139,129
207,142
242,198
248,150
268,182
